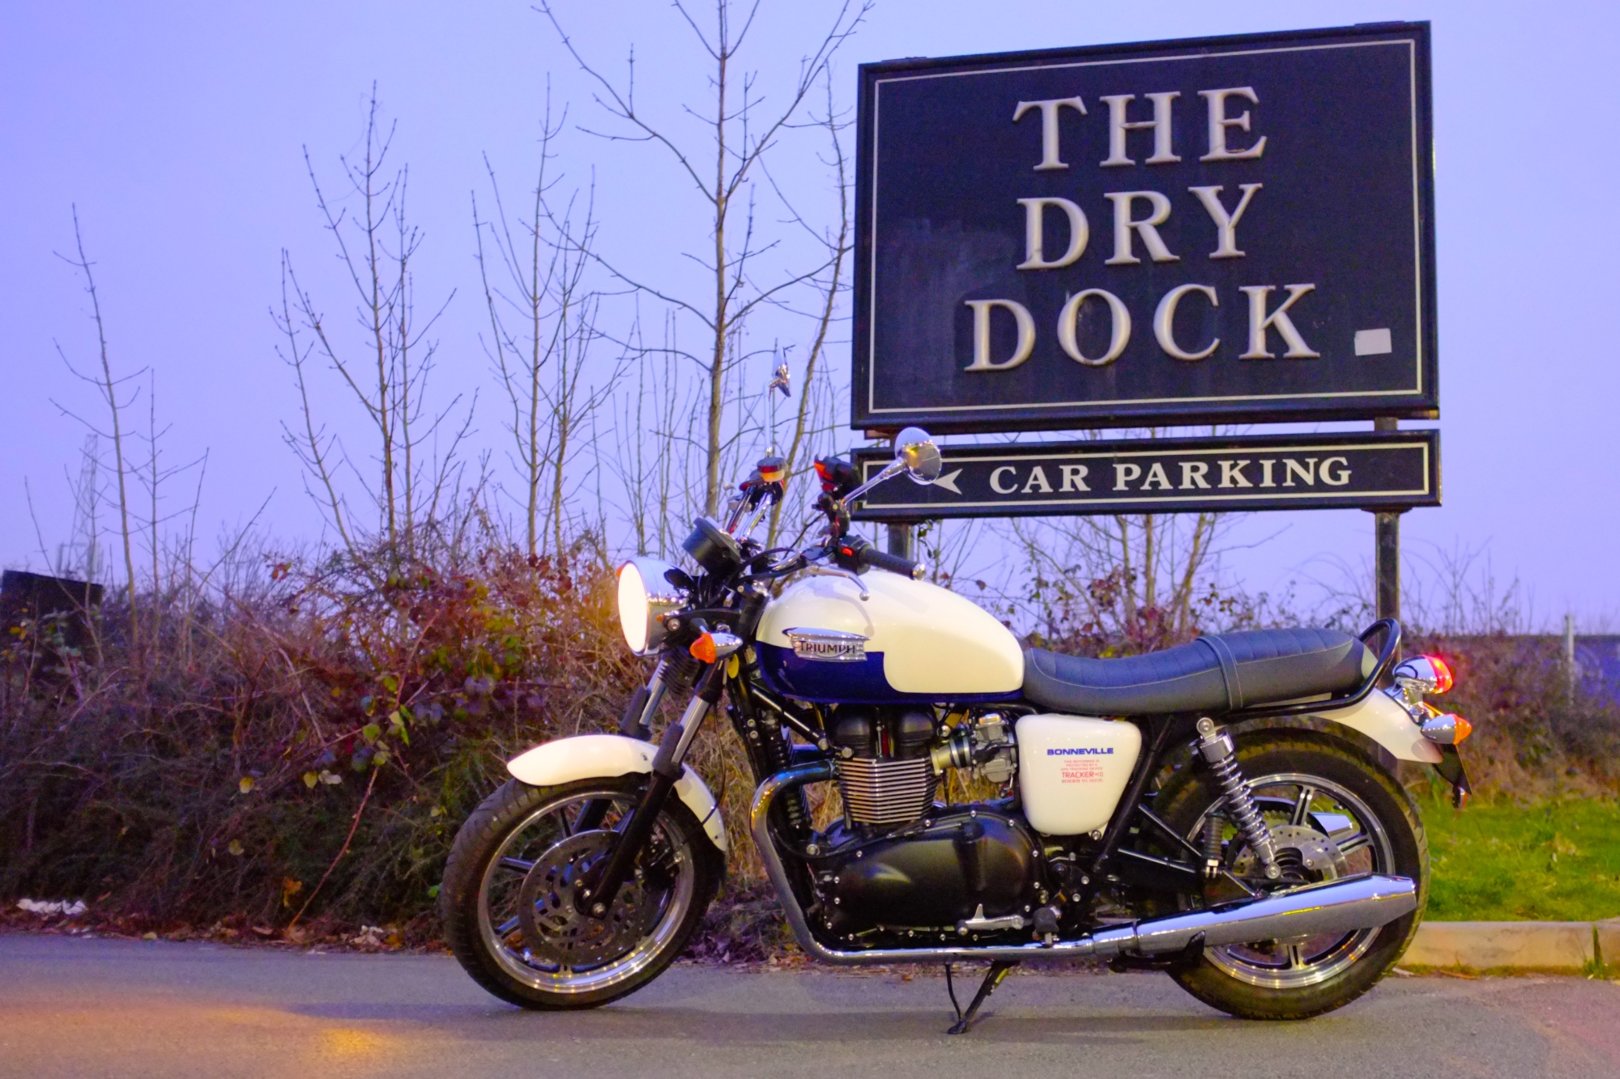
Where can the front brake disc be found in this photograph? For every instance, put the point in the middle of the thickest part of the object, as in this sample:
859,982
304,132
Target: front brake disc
555,929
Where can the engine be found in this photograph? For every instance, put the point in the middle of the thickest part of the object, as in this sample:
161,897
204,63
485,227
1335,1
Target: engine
890,759
898,862
885,772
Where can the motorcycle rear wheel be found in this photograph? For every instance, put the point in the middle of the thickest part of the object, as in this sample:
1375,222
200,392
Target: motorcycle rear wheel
521,846
1332,807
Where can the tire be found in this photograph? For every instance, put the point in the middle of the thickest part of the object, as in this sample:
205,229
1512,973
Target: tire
521,838
1299,979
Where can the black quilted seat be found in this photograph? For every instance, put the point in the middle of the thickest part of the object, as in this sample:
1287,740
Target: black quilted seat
1209,676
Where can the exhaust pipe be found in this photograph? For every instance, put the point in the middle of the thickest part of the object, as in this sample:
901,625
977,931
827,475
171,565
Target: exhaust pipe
1340,906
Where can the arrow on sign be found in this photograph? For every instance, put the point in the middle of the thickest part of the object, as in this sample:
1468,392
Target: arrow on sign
948,481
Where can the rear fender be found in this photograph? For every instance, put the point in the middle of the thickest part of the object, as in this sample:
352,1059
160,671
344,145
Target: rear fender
1385,722
597,756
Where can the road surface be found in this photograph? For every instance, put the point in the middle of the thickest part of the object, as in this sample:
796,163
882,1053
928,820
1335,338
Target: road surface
71,1006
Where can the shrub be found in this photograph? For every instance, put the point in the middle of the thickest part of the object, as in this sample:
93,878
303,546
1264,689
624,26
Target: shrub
308,740
1535,735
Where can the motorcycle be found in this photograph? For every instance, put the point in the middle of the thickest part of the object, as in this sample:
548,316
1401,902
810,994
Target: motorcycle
1223,810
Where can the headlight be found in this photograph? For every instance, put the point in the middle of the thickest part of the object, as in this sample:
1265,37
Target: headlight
645,599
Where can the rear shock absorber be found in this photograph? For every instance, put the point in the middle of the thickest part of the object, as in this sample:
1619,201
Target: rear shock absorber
1220,754
1212,847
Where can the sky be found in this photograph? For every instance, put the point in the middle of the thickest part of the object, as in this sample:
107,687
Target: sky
177,130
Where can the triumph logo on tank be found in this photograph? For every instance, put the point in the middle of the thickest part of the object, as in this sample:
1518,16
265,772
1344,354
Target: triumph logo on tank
827,646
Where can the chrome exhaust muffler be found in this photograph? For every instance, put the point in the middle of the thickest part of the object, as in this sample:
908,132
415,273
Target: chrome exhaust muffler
1339,906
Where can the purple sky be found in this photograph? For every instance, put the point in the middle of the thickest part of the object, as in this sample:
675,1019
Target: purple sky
177,130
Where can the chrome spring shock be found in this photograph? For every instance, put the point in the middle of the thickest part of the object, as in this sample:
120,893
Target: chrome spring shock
1212,847
1219,753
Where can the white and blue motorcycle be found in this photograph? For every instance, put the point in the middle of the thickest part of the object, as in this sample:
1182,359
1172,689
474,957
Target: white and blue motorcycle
1223,810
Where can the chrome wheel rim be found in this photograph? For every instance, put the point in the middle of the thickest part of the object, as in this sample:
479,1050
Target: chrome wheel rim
1299,804
666,880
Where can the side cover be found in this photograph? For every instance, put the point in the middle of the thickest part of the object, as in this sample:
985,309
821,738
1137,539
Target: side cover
907,640
596,756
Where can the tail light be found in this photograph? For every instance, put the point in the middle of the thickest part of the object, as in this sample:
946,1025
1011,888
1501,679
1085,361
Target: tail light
1443,680
1423,676
1428,676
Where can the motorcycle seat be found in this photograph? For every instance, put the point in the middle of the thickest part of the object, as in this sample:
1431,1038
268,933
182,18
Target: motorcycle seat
1210,675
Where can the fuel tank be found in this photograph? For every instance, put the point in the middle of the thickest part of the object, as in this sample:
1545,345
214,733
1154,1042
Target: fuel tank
906,641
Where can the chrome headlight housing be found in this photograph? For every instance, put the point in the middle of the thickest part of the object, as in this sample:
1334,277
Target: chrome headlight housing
646,599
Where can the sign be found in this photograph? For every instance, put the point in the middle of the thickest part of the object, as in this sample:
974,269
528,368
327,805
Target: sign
1386,471
1237,228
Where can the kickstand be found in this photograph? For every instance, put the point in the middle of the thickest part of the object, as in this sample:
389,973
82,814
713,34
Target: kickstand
995,976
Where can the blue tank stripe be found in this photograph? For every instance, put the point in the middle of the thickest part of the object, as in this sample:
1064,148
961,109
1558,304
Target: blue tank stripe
861,682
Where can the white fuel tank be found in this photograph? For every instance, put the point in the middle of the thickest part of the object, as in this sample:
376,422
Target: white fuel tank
907,640
1072,770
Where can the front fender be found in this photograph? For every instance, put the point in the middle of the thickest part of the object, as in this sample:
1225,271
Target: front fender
1387,723
595,756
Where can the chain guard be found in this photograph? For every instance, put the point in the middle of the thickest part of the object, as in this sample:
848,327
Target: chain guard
555,930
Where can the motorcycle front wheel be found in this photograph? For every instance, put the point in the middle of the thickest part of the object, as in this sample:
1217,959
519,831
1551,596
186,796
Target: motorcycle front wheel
1333,813
508,897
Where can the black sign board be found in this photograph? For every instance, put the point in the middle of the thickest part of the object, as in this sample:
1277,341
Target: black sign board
1387,471
1162,233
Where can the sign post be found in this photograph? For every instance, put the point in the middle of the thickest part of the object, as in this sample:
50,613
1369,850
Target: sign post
1387,550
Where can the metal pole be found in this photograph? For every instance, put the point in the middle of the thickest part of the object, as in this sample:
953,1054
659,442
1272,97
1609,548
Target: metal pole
903,540
1388,540
1387,549
1569,660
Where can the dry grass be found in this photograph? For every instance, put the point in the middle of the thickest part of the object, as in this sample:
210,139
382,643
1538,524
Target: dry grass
305,743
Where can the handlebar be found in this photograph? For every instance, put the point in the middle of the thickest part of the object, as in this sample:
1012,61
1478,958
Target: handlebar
858,554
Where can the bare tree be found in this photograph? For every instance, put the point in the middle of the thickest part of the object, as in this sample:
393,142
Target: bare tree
722,167
543,327
127,474
81,555
109,388
154,478
809,420
1135,579
386,371
650,471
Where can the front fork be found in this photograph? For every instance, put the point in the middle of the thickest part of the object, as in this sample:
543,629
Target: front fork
633,831
635,723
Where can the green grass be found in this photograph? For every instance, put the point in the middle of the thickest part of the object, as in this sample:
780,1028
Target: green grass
1497,861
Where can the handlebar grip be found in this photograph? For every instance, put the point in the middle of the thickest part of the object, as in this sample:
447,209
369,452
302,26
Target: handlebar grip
870,556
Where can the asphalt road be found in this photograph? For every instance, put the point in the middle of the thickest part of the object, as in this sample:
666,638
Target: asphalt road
86,1007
